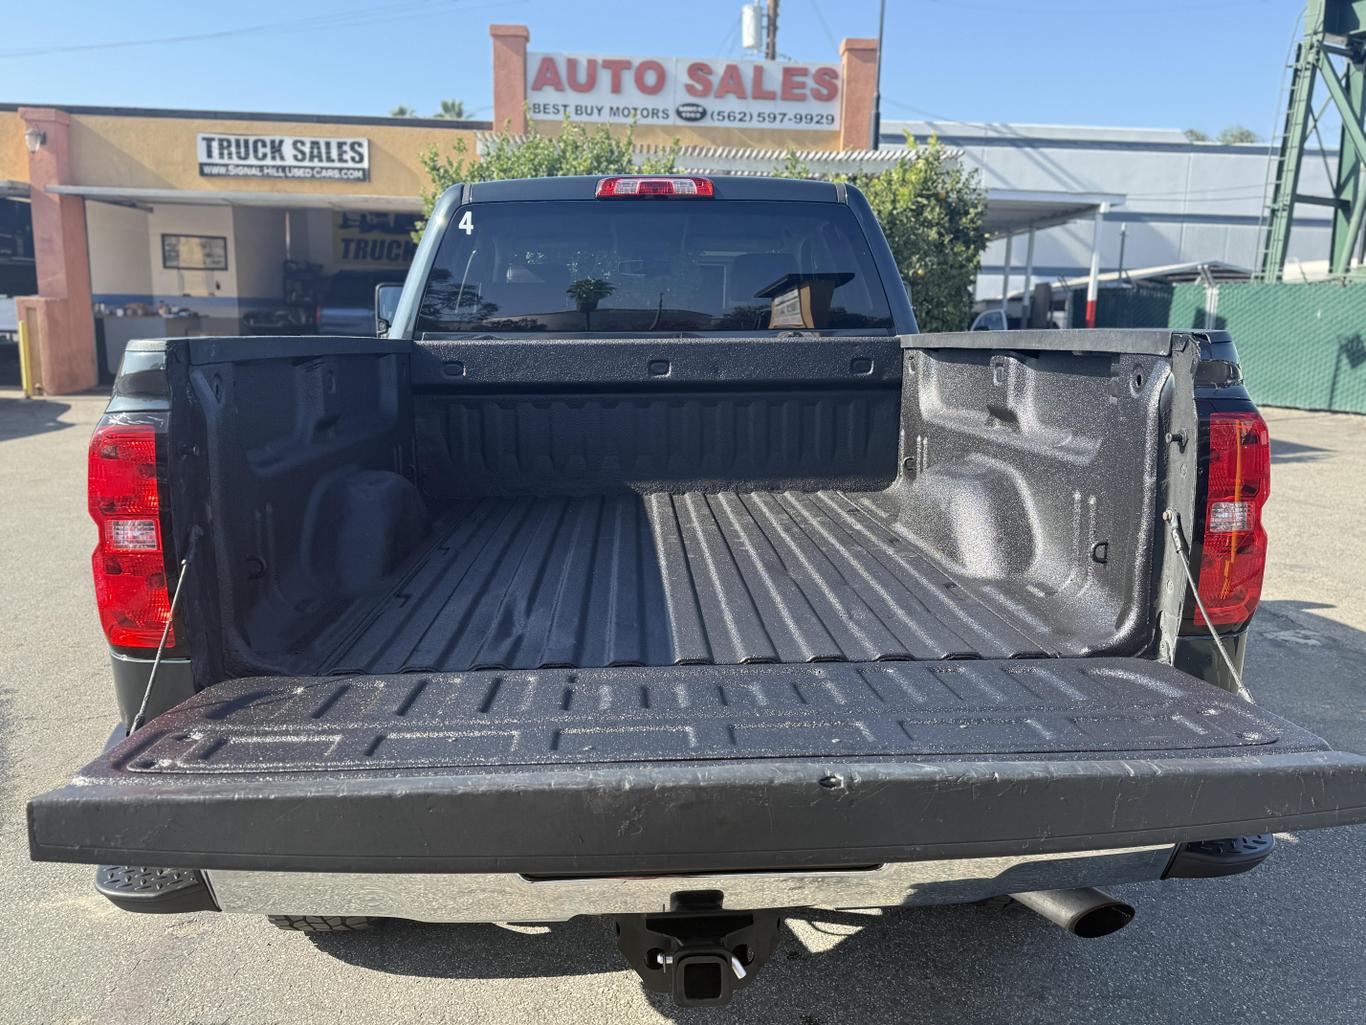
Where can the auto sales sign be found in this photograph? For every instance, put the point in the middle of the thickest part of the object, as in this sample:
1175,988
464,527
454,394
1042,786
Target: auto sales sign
283,156
683,90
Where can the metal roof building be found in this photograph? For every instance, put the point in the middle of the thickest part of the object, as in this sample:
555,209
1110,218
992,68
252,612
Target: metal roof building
1182,202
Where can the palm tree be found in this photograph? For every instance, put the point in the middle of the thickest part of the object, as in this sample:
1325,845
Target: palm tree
402,111
451,110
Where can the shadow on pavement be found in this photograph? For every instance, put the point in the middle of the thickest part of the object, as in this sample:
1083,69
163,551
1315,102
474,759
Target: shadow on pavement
1283,452
20,418
580,947
868,965
1311,668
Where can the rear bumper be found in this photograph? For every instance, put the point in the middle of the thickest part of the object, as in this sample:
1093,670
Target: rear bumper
509,897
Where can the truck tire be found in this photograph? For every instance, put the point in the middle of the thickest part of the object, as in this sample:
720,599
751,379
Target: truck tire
323,923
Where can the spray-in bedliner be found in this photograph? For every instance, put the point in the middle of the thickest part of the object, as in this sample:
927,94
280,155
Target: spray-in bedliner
660,579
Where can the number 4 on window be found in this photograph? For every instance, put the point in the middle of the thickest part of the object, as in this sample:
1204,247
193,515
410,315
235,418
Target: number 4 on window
467,222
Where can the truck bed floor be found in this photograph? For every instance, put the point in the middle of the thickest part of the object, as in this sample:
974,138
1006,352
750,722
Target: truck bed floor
725,579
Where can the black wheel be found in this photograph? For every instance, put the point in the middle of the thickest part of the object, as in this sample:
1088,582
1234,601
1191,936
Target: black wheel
323,923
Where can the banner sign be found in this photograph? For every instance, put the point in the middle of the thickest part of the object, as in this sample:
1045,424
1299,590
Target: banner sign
373,239
283,156
683,90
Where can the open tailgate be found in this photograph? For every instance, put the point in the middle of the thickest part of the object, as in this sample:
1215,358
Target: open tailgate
693,768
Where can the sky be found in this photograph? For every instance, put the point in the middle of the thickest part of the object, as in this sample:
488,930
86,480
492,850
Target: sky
1136,63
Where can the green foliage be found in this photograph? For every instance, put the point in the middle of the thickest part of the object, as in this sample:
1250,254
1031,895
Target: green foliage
1235,135
933,213
403,111
792,166
575,150
451,110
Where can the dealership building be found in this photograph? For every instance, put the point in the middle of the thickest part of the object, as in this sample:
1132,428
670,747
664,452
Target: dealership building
122,223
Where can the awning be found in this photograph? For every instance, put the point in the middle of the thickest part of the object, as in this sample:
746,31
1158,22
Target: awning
13,189
1011,211
289,200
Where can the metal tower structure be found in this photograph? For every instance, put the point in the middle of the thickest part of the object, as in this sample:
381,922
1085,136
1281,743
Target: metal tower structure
1332,51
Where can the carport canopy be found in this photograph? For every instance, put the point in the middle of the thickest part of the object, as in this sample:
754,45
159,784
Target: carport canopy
1009,212
1012,212
196,197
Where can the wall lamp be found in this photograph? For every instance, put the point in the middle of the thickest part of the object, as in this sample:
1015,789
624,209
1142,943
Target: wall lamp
34,139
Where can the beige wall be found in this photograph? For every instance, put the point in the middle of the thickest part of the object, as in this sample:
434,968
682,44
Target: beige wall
160,153
176,219
13,154
118,241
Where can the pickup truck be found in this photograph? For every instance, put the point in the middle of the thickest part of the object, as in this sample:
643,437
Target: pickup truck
649,564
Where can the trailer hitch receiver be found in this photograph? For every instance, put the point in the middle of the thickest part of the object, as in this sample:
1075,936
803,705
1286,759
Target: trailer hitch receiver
697,954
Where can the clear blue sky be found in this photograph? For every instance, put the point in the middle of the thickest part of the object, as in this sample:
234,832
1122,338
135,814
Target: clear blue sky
1160,63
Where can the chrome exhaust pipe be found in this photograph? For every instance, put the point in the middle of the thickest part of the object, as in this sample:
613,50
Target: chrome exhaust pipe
1085,912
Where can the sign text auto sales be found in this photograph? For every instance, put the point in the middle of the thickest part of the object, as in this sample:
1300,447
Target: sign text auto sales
683,90
283,156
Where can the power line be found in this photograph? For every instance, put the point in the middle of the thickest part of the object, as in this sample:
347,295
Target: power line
816,10
341,19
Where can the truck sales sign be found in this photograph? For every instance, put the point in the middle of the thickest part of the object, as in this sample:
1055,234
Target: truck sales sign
284,156
683,90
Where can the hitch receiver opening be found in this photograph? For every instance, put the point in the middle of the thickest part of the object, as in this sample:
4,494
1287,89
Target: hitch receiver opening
698,953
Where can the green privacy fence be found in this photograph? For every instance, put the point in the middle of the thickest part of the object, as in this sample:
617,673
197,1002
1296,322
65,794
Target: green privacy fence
1301,345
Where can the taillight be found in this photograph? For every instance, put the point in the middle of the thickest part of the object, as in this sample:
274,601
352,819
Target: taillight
129,560
638,187
1234,543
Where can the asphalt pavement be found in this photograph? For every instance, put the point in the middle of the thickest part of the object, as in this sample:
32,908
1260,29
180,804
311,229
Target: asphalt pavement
1286,943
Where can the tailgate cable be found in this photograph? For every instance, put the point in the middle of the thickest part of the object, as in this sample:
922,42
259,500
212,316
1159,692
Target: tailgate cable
1174,520
165,633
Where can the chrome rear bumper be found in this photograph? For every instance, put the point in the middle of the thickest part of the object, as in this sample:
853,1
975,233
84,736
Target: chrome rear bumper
508,897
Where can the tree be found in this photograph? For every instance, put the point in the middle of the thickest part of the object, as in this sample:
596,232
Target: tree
402,111
575,150
451,110
1195,135
933,213
1235,135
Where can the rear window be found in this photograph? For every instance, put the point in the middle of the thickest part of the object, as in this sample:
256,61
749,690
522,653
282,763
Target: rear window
626,266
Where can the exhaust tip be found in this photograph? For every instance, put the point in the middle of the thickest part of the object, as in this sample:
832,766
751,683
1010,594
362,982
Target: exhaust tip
1086,912
1103,920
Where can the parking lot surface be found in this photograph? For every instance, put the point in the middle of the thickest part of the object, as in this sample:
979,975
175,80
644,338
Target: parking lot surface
1286,943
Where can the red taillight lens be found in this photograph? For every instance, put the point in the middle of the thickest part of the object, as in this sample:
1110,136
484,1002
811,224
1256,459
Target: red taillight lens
637,187
1234,544
129,561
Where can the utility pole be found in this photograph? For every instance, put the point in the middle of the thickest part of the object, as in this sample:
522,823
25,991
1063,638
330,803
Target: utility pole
877,83
771,46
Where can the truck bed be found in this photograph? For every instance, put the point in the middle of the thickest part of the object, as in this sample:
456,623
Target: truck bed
462,505
672,579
